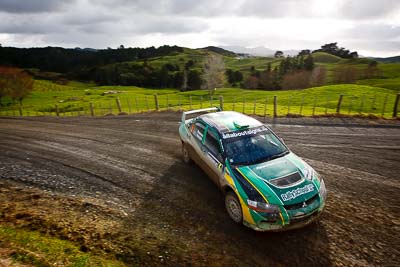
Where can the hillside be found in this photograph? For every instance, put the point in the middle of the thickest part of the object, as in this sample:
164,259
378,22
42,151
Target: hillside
170,66
395,59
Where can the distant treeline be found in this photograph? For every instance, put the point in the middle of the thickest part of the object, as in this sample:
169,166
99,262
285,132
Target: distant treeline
63,60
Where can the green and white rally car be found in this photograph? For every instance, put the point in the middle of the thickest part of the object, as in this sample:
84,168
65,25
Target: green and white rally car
266,186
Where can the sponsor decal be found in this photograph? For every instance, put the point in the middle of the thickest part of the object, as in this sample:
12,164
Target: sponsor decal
297,192
245,132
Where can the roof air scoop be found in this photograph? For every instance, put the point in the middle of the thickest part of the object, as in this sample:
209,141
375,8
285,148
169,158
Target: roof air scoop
240,125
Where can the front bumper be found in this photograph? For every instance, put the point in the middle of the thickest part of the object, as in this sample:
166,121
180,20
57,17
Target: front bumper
294,223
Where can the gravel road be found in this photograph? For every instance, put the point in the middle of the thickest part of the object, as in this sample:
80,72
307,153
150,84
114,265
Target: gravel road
128,173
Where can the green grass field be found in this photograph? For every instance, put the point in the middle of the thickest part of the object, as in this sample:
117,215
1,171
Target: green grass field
37,249
75,99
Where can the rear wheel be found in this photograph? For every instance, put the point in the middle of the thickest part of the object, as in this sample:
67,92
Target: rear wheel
233,207
185,154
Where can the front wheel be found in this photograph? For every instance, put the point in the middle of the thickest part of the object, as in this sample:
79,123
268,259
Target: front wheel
185,154
233,207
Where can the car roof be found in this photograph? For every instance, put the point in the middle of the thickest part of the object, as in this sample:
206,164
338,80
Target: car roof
227,121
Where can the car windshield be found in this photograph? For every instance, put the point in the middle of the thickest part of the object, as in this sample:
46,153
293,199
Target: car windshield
253,146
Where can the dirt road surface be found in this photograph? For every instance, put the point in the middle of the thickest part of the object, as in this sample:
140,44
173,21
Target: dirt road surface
118,185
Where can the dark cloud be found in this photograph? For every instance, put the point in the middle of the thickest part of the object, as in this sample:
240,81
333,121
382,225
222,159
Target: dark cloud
273,23
174,7
29,24
33,6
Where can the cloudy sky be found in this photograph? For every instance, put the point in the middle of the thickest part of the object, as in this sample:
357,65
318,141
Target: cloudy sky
372,27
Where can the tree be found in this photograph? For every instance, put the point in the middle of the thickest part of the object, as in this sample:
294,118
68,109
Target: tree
296,80
344,74
15,83
251,82
309,63
304,52
372,70
213,72
234,76
266,79
278,54
238,76
318,76
230,76
194,80
333,49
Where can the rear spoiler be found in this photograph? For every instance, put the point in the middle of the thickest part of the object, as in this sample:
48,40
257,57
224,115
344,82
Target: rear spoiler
198,111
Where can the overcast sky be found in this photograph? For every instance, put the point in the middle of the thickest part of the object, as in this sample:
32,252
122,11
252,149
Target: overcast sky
372,27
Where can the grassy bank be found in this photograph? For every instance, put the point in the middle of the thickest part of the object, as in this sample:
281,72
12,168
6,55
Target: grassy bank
76,98
34,248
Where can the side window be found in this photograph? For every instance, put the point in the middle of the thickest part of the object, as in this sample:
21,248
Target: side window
198,131
211,143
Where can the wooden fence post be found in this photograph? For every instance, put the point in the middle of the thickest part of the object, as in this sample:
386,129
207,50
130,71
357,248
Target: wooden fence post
167,100
288,107
373,104
254,107
147,102
211,100
301,105
57,111
361,104
326,105
137,104
110,106
265,108
201,101
221,102
314,104
275,106
119,105
190,101
396,105
339,104
129,105
351,104
156,102
384,105
20,110
91,109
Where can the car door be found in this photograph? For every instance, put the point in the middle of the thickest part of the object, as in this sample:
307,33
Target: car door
212,155
197,130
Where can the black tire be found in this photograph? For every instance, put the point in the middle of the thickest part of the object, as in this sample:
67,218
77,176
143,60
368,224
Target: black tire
233,207
185,154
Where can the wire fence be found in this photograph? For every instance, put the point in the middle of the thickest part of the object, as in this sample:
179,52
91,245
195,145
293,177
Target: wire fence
385,106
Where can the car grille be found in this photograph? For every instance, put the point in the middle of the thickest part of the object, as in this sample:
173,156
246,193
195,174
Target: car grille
300,205
303,218
286,180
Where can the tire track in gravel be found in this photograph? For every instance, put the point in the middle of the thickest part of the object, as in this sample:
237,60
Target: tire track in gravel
134,162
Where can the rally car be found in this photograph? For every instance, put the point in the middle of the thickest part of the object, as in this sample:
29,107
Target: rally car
266,186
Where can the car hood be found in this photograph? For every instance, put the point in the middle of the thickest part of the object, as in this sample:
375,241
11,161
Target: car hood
283,180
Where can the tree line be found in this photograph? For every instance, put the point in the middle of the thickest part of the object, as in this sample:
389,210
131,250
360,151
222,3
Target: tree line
292,73
63,60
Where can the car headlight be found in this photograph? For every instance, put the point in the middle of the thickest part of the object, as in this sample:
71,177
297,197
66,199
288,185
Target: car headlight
263,207
317,175
322,189
308,172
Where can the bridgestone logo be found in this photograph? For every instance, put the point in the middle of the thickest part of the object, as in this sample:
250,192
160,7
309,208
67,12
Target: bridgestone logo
244,133
297,192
